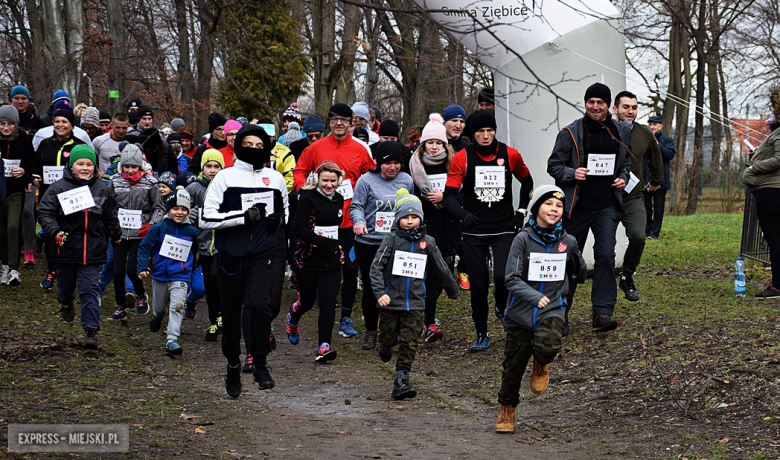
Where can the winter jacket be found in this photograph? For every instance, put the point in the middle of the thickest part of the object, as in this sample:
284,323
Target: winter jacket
88,231
198,155
19,149
524,295
568,155
283,161
29,123
297,148
311,251
407,293
668,150
52,152
143,195
644,154
373,194
206,237
164,268
763,168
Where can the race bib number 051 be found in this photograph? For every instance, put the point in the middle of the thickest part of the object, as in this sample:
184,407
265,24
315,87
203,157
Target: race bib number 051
409,264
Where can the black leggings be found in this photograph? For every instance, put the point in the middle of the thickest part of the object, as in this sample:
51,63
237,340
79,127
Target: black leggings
768,211
208,265
276,283
322,287
349,271
433,287
365,257
121,252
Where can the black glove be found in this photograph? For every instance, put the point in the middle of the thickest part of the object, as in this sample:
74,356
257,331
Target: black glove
273,221
450,260
292,198
519,218
470,222
255,213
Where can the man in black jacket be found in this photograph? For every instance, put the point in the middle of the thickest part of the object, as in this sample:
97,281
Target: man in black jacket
655,201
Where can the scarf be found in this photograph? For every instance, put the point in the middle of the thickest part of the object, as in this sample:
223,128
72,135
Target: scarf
134,178
414,234
204,178
487,150
547,235
417,168
330,197
11,137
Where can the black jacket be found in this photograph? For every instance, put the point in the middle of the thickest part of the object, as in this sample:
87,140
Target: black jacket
29,123
52,152
312,251
20,149
198,155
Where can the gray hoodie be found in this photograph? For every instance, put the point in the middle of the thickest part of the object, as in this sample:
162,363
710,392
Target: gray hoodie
375,194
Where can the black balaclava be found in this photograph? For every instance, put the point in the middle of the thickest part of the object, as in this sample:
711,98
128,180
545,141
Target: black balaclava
256,157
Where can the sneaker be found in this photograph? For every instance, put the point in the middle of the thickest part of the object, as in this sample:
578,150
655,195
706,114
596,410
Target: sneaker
155,323
506,419
68,312
119,313
346,329
292,332
540,377
211,333
233,381
627,286
324,354
369,340
272,342
385,354
90,338
173,348
142,305
433,333
481,343
499,314
48,281
767,293
29,259
130,298
4,273
219,324
248,366
463,280
263,378
604,323
190,312
401,387
14,278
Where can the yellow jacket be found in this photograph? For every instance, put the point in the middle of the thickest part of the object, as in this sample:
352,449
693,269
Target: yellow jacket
283,161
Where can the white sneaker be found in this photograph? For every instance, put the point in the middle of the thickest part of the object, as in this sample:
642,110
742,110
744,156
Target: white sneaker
14,279
4,274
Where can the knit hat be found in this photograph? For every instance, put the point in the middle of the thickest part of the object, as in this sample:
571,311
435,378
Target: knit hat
453,111
132,156
105,117
65,114
9,113
145,110
181,197
434,129
212,155
91,116
389,128
406,204
389,151
243,120
216,120
132,117
482,119
313,124
361,110
486,95
63,104
541,194
19,89
60,95
174,138
135,102
292,113
230,125
293,133
377,113
81,151
340,110
599,91
168,178
361,133
186,133
176,124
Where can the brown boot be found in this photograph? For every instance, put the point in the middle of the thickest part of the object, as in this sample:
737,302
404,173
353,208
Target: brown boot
369,340
506,420
540,377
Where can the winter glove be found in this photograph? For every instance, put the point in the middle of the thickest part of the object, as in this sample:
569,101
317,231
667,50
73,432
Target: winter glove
470,222
273,221
143,230
292,198
519,219
255,213
450,260
61,238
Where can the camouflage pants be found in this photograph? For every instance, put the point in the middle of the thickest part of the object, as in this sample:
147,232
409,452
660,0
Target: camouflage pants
400,328
543,344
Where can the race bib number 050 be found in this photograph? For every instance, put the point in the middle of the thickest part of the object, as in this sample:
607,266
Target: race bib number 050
546,267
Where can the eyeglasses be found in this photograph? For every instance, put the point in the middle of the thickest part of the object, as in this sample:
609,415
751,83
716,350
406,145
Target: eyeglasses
220,129
230,135
340,120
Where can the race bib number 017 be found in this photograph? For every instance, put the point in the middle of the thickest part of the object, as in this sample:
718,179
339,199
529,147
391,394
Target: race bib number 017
130,219
409,264
546,267
76,200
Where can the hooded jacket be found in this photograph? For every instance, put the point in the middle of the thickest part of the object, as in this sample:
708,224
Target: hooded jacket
53,152
19,149
143,195
89,230
524,296
163,268
311,251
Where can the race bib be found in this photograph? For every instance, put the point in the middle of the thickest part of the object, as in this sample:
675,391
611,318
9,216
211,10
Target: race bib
175,248
546,267
383,222
438,181
633,181
601,164
489,177
130,219
409,264
345,189
75,200
9,165
52,174
328,232
249,199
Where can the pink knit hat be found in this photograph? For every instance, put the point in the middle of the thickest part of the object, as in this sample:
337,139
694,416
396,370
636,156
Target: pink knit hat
230,125
434,129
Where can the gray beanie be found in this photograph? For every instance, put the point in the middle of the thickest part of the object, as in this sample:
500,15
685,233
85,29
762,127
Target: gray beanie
181,197
541,194
177,124
91,116
132,156
406,203
9,113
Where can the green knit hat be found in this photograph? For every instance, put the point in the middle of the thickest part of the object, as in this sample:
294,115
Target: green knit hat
406,204
81,151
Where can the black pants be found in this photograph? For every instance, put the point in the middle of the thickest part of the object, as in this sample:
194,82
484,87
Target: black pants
208,265
365,258
768,211
433,287
126,254
10,217
275,295
654,206
349,272
245,281
475,251
322,287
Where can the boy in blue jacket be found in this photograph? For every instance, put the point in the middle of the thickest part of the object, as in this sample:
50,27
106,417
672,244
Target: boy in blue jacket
170,244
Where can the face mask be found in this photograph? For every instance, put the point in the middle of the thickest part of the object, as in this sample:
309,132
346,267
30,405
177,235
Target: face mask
255,157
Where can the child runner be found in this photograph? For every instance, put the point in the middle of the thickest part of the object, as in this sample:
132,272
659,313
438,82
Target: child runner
80,235
139,207
171,244
166,184
542,259
317,258
398,277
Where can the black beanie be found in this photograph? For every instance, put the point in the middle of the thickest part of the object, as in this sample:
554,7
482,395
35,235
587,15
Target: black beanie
600,91
143,111
105,117
255,157
216,120
66,114
388,151
486,95
132,117
481,119
136,102
361,133
340,110
389,128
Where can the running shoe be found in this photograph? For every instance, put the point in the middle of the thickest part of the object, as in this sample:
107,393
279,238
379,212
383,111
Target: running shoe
155,323
346,329
325,353
29,259
119,313
211,333
90,338
292,332
173,348
433,333
463,280
48,280
219,324
14,278
248,364
142,305
482,343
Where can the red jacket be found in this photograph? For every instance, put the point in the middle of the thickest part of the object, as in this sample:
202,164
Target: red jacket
227,152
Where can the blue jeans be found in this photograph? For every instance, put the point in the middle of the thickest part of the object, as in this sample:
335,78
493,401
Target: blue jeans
107,274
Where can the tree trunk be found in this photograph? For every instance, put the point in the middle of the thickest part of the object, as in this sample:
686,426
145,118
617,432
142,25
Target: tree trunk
714,83
372,72
700,37
186,82
683,84
37,70
74,45
324,54
116,62
205,63
346,78
54,45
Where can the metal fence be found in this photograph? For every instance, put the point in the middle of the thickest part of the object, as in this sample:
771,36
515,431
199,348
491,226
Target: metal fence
753,244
